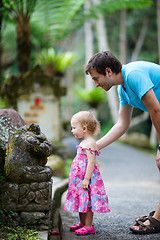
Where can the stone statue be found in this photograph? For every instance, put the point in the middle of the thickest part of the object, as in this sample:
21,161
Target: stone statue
26,156
10,121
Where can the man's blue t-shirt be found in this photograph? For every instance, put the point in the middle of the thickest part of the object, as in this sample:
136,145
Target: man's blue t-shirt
139,77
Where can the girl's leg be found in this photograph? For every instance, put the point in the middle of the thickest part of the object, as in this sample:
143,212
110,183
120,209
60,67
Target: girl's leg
82,217
89,219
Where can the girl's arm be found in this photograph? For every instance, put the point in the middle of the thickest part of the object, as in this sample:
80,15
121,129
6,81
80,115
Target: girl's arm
89,169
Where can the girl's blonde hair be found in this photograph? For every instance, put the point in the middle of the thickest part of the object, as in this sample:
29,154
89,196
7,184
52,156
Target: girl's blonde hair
86,118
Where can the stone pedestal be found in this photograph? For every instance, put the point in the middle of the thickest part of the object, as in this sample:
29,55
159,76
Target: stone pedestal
26,189
27,204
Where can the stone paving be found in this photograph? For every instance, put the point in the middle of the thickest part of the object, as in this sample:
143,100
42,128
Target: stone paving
132,182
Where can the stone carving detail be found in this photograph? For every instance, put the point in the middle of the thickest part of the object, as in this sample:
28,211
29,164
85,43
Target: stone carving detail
27,197
26,156
10,121
29,204
26,189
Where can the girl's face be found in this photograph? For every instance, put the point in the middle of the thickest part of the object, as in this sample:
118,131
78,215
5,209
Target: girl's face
77,128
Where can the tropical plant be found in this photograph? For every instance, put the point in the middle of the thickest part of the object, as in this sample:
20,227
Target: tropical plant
51,21
54,20
56,62
92,97
20,11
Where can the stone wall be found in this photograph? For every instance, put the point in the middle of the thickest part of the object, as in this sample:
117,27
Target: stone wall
30,204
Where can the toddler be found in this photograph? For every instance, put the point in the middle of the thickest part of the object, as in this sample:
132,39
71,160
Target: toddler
86,191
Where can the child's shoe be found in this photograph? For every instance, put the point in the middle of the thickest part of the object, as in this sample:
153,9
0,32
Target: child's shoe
75,227
85,230
54,233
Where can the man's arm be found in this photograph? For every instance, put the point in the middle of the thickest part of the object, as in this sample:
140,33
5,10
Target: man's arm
153,106
118,129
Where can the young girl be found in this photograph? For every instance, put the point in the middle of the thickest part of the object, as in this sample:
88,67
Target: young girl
86,191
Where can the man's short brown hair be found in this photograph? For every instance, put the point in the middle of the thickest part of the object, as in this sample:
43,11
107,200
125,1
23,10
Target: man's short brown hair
100,61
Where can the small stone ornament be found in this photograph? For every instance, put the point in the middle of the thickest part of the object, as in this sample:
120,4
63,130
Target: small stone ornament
26,156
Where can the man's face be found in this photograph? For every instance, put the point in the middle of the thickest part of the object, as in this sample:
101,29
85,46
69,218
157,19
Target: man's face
102,81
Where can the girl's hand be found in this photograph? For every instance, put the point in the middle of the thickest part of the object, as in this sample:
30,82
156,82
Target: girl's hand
85,184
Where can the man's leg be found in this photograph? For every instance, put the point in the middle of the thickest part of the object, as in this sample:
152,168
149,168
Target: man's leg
157,213
147,222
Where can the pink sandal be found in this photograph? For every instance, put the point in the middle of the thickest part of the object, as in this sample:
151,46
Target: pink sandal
54,233
85,230
75,227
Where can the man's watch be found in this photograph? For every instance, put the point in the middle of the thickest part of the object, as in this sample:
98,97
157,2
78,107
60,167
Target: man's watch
158,148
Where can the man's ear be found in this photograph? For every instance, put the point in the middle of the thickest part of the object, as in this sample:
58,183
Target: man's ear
108,72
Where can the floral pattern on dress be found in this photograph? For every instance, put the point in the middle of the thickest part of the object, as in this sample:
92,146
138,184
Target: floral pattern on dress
82,200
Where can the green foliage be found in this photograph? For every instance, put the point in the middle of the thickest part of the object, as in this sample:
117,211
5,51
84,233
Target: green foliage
114,5
105,127
95,95
16,7
59,61
2,103
68,163
56,19
13,233
135,20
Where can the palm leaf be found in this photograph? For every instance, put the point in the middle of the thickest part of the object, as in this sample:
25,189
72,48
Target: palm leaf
56,17
15,7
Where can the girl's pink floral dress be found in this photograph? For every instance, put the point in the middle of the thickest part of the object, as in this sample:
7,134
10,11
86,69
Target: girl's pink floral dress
79,199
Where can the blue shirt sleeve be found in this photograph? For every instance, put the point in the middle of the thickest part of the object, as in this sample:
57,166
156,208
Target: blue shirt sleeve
122,98
139,82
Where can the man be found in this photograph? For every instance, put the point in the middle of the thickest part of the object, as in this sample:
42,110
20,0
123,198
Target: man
138,86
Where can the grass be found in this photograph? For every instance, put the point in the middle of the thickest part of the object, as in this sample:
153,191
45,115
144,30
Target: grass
17,233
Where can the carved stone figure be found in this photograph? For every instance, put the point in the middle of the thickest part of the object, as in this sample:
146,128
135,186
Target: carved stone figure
26,156
10,121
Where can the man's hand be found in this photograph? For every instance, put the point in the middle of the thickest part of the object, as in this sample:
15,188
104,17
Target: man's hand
85,184
158,159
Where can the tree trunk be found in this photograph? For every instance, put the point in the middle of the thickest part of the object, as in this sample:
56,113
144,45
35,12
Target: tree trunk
104,45
140,41
101,30
23,42
123,36
88,46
